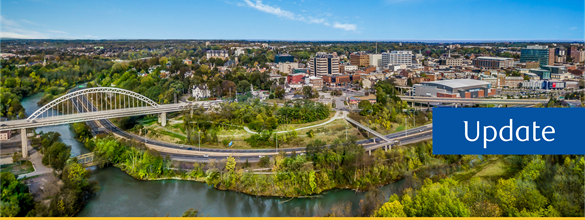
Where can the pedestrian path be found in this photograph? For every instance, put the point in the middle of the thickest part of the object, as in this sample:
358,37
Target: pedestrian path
36,158
338,115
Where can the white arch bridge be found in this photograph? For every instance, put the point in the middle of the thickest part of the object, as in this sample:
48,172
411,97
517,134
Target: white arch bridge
82,105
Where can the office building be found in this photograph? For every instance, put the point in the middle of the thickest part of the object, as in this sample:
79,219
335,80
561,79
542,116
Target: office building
359,59
347,68
493,62
451,62
542,73
513,81
221,54
578,56
397,57
324,64
283,58
541,54
555,69
376,60
287,67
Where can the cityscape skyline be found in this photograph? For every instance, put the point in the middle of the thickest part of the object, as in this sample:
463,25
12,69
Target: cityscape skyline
305,20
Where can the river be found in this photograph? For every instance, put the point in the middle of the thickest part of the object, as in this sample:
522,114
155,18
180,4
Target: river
121,195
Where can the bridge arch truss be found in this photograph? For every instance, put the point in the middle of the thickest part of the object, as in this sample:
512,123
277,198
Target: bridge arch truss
93,99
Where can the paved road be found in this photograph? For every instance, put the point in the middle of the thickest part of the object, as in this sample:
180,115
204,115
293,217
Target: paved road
36,158
182,152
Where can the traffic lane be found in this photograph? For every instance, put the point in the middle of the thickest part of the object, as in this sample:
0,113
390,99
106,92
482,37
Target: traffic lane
120,132
411,131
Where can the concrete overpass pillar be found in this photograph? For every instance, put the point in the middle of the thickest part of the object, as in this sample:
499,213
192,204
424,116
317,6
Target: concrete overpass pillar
370,153
374,140
24,143
163,119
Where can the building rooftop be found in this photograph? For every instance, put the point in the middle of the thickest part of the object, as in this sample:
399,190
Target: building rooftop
459,83
495,58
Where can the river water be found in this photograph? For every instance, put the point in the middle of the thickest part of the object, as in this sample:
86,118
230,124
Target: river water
121,195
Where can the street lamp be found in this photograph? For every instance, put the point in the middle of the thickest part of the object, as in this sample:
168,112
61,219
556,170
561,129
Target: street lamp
145,130
405,127
199,134
276,137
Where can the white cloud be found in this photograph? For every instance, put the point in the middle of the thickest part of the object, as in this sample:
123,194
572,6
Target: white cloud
275,10
57,32
8,22
272,10
28,22
347,27
13,29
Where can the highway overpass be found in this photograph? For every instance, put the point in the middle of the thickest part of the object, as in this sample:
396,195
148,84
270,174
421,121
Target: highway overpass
421,99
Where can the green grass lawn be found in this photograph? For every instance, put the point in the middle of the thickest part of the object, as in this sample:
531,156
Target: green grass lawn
399,128
491,170
171,134
17,169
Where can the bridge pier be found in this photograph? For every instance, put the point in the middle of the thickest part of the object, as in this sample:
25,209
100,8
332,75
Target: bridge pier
163,119
24,143
369,152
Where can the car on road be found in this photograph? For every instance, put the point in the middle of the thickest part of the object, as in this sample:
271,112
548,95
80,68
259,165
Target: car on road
182,146
260,156
421,130
205,155
146,141
189,148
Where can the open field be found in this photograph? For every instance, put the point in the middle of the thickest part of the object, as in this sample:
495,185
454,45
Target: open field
17,169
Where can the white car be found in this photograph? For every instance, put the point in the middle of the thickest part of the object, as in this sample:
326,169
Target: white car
260,156
182,146
206,155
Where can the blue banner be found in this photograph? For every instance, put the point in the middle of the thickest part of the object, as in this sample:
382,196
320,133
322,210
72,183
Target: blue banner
509,131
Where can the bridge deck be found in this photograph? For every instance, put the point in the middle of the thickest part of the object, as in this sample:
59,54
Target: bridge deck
367,129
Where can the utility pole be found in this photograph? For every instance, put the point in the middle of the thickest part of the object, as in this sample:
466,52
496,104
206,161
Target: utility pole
276,137
405,127
199,134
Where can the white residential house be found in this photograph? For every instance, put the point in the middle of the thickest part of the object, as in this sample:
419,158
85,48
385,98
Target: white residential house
257,94
201,91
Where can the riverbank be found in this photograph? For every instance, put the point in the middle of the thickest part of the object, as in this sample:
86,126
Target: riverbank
288,176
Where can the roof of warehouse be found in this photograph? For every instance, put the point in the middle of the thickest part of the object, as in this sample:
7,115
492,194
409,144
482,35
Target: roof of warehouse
459,83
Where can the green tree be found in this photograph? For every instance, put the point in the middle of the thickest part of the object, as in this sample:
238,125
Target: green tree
230,164
16,201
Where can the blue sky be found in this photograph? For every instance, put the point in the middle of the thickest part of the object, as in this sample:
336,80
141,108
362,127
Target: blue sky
295,19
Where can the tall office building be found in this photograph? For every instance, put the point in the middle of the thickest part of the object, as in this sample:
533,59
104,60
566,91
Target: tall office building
324,64
283,58
542,54
359,59
397,57
493,62
376,60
